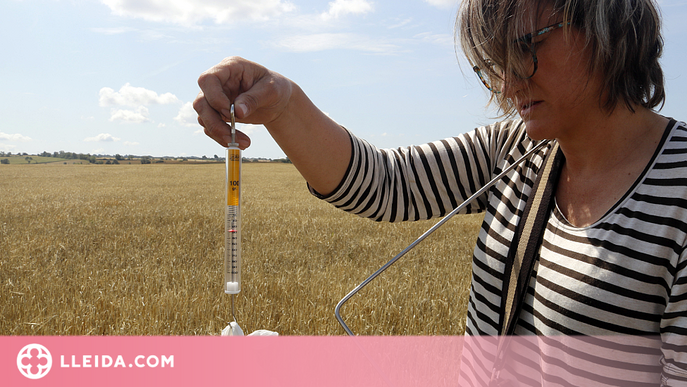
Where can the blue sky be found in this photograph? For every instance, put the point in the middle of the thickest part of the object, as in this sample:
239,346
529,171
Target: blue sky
118,76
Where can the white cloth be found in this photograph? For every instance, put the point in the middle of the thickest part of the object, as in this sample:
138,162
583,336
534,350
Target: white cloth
233,329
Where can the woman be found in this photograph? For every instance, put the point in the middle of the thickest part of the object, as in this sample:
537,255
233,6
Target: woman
613,258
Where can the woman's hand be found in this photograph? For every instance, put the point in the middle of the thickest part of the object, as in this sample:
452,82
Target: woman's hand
318,147
260,96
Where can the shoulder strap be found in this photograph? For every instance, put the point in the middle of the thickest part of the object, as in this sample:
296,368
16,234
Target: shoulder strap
523,253
528,238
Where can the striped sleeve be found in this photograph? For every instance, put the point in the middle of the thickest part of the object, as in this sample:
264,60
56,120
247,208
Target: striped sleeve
423,181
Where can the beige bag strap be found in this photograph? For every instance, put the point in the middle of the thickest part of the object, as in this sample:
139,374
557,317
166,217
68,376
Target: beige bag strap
529,234
524,250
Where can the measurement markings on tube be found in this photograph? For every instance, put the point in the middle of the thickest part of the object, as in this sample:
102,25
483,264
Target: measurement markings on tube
232,238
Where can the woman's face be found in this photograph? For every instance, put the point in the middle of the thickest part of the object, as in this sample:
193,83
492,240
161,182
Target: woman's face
562,96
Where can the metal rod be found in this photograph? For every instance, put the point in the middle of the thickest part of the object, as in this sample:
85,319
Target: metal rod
233,125
428,232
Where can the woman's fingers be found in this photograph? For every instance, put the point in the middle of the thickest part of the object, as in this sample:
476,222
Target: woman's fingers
210,119
215,126
260,95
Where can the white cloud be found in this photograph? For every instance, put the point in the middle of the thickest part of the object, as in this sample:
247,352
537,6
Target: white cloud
187,116
329,41
401,23
145,34
340,8
113,30
440,39
130,143
14,137
443,3
138,116
189,12
102,137
134,96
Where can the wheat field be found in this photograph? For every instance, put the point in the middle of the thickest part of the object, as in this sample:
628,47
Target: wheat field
138,250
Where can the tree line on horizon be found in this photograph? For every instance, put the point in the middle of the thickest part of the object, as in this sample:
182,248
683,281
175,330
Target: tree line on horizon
93,159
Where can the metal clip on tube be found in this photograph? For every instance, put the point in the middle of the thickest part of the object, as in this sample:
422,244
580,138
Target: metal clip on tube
430,231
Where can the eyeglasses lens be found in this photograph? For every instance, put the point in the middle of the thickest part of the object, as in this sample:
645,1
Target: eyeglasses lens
524,67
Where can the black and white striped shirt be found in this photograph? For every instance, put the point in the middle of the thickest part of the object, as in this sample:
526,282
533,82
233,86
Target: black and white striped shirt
623,276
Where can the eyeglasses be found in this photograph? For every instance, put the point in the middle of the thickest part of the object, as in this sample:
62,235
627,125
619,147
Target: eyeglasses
525,68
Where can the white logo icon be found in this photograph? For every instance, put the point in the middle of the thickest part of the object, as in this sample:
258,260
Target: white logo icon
34,361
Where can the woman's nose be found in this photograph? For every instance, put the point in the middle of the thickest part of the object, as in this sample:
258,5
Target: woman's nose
511,84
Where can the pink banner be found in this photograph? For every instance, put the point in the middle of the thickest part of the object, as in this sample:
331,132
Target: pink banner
235,361
335,361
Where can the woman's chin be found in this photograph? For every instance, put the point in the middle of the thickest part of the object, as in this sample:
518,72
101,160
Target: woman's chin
536,131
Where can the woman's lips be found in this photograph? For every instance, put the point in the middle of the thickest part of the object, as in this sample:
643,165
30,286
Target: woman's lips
528,107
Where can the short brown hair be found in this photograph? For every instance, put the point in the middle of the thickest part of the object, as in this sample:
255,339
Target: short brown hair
624,36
